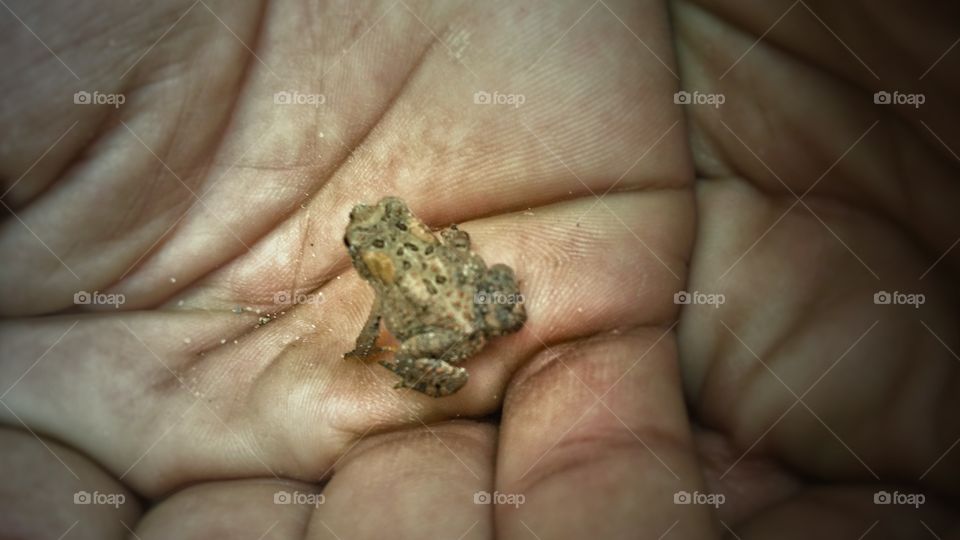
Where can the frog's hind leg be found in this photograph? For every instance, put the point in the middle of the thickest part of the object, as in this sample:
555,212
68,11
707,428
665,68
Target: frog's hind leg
422,362
430,376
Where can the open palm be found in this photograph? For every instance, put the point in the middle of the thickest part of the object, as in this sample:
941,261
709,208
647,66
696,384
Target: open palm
213,200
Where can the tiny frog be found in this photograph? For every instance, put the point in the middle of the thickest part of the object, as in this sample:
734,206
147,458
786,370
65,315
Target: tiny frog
434,295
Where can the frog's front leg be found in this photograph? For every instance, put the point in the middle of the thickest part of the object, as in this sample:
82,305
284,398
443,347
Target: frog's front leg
367,340
455,238
422,362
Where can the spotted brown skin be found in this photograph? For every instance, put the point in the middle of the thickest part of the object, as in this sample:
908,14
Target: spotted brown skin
435,295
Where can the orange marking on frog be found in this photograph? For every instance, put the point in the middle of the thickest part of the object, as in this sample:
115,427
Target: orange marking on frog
381,266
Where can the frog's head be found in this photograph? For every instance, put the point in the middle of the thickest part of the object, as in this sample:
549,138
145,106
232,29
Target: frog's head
371,222
499,301
369,230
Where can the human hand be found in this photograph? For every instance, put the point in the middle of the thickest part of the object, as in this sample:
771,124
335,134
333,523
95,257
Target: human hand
199,410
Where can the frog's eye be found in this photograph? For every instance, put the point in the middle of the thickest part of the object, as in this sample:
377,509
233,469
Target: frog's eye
393,205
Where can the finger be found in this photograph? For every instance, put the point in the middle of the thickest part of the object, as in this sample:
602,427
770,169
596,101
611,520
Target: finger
757,482
846,42
250,508
144,380
425,482
120,181
419,483
894,365
898,161
598,428
51,491
765,499
853,512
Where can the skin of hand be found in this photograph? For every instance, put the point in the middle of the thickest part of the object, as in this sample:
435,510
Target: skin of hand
248,130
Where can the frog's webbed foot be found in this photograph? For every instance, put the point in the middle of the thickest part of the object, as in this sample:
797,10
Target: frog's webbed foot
430,376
